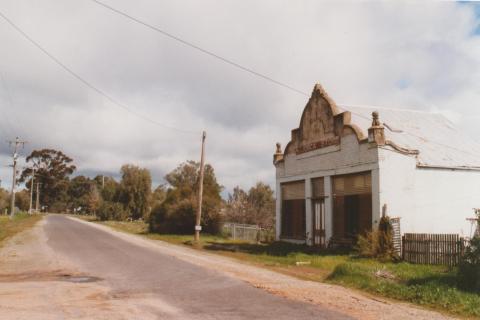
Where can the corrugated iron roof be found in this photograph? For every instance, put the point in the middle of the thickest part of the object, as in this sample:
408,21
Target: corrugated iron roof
440,143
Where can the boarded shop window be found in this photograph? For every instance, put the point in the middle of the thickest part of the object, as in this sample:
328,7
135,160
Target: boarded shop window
318,188
352,205
293,210
352,184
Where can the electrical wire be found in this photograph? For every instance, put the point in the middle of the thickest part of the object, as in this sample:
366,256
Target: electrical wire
88,84
200,49
228,61
186,43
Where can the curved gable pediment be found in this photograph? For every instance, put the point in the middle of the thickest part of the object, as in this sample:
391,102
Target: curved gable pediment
321,124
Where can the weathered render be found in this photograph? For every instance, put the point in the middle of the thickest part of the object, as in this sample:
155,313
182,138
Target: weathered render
344,165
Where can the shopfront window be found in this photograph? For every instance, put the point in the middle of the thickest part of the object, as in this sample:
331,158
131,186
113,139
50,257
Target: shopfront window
293,210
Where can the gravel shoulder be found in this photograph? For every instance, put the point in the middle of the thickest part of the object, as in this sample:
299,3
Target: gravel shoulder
332,297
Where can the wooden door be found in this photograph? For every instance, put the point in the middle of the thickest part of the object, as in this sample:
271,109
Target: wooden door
319,223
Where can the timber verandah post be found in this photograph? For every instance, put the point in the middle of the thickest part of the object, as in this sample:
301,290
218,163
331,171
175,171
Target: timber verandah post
309,235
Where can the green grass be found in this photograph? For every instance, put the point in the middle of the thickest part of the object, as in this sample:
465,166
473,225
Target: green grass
434,287
10,227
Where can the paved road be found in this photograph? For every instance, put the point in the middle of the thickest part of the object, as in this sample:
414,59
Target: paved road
193,292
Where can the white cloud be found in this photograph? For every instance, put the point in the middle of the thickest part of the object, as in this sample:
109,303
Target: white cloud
396,54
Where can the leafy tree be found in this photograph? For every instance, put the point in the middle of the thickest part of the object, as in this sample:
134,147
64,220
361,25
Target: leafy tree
78,190
135,191
158,196
255,207
4,200
262,205
94,198
109,188
53,169
237,206
22,200
176,214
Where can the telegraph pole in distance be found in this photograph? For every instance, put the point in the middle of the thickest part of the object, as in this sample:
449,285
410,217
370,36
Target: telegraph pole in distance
16,143
31,191
38,197
198,227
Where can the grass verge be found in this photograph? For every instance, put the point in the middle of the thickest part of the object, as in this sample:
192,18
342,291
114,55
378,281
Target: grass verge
10,227
434,287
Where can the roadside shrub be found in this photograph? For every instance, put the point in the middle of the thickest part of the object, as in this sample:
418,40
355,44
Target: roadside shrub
378,243
179,217
111,211
469,267
176,214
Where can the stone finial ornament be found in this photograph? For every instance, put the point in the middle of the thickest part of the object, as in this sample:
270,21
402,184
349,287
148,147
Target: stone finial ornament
375,119
278,156
376,133
279,147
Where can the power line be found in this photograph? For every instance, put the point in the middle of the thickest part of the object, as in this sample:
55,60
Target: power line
205,51
228,61
88,84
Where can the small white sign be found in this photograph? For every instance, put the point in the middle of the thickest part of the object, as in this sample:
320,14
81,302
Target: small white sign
198,228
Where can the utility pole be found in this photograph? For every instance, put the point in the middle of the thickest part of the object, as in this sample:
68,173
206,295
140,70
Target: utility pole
16,143
103,181
31,191
38,197
198,227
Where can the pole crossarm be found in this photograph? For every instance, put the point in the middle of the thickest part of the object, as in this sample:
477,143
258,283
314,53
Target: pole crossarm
15,143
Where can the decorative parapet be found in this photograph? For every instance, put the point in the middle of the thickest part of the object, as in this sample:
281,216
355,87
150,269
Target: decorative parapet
321,125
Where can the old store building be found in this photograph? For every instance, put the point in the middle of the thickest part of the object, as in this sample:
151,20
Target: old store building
344,165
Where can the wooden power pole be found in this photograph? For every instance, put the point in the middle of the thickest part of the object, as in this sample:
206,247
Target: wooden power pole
38,197
31,191
15,143
198,227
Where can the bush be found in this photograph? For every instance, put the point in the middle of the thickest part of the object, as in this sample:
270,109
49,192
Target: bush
179,217
378,243
469,267
111,211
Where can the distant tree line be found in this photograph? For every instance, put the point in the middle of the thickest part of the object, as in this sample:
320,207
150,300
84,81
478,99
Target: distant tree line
169,208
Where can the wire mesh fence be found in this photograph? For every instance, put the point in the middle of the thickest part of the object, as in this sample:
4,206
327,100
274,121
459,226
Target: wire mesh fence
247,232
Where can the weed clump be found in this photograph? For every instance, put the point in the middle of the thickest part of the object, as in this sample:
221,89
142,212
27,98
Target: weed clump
378,243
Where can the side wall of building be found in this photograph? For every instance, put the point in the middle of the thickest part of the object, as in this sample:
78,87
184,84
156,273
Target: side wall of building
444,200
428,200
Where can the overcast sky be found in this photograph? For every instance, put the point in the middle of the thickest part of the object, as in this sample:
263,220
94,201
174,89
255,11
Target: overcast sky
423,56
